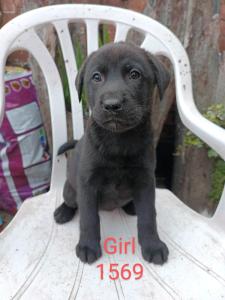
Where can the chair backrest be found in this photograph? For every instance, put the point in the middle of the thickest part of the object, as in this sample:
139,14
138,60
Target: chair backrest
20,34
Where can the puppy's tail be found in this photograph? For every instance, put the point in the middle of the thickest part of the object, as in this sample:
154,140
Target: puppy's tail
67,146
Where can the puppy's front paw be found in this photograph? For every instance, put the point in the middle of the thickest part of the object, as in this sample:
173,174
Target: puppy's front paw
156,252
64,213
88,254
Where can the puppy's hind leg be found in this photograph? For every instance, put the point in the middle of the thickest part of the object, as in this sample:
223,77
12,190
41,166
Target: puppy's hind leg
66,211
129,208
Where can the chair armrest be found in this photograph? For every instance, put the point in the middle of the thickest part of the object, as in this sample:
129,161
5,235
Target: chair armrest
210,133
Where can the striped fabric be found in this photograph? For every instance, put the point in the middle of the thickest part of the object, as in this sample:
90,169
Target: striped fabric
25,164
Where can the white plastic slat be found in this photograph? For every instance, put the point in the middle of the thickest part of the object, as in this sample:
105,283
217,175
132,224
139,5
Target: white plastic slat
153,45
71,70
92,35
121,32
31,42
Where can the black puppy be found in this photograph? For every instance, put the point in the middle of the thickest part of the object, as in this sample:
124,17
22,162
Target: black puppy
114,162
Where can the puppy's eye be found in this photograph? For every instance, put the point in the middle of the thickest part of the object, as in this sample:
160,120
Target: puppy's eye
97,77
134,74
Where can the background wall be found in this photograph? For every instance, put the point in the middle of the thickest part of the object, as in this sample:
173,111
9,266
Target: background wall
200,25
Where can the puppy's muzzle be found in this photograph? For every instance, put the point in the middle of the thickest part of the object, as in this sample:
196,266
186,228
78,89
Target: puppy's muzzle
112,105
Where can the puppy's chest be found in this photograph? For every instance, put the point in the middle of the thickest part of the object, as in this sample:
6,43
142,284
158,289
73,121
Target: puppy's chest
117,186
120,175
117,180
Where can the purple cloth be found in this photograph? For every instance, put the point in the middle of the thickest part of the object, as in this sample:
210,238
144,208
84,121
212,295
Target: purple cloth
25,164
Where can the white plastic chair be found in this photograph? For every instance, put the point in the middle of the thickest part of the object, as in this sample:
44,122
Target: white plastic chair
37,256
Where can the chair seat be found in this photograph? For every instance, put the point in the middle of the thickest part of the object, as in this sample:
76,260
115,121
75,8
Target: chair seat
38,261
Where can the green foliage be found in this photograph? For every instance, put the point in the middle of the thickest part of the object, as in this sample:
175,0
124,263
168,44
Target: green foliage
218,180
79,54
104,38
216,114
192,140
62,72
80,57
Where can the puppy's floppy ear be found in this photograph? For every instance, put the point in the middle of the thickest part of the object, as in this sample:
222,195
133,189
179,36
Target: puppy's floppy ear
79,82
162,76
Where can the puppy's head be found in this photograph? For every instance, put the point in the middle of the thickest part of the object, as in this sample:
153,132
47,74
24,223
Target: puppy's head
119,80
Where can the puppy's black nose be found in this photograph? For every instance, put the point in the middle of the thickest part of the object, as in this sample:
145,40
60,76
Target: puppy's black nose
112,105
